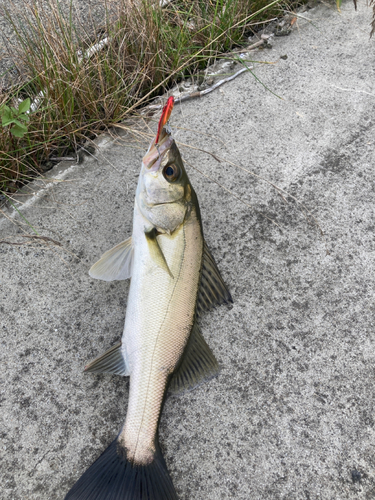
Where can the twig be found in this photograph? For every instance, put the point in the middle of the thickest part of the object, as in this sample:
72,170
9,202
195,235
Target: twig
251,47
11,243
200,93
219,83
44,238
359,91
31,237
93,49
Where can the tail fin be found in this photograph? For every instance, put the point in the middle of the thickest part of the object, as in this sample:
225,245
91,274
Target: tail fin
113,477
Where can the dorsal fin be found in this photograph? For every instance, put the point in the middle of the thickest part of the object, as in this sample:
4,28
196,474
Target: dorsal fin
115,264
197,365
212,290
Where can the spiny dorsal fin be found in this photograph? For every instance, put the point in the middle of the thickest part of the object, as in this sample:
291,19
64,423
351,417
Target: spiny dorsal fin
212,290
112,361
156,252
115,264
197,365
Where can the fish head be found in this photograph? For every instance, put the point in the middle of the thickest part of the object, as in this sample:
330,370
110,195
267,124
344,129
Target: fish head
164,193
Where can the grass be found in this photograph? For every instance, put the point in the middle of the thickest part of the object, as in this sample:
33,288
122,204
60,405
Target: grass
147,48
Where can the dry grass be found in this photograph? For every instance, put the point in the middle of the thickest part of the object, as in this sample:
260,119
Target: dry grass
147,49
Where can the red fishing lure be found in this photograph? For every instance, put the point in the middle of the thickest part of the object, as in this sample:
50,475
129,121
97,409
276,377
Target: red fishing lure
165,114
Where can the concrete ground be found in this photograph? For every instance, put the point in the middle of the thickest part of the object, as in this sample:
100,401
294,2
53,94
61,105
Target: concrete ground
291,415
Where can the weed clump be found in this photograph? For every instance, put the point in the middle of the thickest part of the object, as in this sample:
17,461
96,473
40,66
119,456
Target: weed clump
82,77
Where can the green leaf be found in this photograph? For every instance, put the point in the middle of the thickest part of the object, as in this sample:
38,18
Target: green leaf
4,109
6,115
23,117
19,124
24,106
18,130
7,121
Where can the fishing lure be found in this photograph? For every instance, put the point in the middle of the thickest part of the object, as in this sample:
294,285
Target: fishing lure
165,115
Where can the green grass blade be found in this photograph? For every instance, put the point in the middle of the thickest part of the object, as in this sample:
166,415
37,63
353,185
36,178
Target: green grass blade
24,218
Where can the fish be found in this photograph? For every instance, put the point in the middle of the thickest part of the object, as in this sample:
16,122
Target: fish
174,279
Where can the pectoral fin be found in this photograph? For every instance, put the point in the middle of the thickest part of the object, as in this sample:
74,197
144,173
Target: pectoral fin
112,361
212,289
115,264
198,364
156,252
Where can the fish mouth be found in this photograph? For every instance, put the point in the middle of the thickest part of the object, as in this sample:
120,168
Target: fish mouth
163,134
156,152
160,203
168,202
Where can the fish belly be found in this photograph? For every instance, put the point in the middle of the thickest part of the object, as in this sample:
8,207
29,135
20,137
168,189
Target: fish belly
159,319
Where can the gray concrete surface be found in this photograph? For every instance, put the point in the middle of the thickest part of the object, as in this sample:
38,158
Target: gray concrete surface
291,415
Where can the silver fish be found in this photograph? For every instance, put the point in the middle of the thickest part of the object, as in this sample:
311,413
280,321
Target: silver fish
174,279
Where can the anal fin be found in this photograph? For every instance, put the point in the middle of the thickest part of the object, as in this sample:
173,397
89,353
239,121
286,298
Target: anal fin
197,365
112,361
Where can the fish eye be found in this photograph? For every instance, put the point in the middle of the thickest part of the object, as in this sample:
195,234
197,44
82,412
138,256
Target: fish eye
171,172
